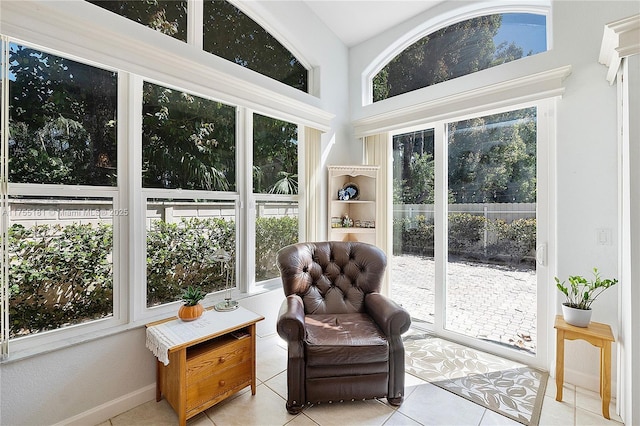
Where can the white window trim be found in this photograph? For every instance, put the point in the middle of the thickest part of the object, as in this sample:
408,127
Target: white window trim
620,39
107,39
521,90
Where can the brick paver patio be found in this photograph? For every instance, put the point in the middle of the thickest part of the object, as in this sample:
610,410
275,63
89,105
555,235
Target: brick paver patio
490,302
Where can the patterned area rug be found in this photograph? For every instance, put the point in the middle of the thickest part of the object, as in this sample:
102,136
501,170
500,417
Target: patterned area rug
506,387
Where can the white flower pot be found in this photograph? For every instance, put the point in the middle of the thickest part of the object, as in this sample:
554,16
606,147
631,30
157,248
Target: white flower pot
577,317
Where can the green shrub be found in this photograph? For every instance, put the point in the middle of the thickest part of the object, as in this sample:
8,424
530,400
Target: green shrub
272,233
465,232
58,276
515,240
180,255
63,275
507,242
417,236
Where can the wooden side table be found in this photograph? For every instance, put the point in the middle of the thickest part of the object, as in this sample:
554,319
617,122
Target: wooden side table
208,359
599,335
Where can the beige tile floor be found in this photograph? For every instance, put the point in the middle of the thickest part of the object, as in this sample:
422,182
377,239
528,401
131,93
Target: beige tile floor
424,404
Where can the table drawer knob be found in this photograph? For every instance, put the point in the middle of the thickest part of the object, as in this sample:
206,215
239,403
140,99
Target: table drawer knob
222,383
221,360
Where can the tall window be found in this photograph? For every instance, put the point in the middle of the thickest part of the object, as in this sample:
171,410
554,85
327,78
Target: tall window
460,49
62,135
275,188
188,144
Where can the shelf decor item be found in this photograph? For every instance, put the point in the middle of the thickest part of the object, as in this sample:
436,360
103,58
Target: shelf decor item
352,193
227,304
349,192
191,308
580,294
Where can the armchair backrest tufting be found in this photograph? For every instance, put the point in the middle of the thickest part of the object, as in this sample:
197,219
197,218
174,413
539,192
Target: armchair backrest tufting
331,277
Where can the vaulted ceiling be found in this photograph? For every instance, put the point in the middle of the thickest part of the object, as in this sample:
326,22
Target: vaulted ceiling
355,21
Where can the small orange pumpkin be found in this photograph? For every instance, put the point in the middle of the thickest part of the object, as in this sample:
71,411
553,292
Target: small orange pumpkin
190,313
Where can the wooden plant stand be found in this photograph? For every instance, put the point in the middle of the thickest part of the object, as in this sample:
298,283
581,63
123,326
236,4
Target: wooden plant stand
598,335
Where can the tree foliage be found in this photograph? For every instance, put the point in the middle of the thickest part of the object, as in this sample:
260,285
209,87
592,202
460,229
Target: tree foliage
188,142
166,16
62,120
232,35
414,167
492,159
275,156
456,50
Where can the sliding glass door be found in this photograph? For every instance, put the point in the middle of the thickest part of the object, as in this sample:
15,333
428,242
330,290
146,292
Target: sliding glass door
413,223
469,244
491,214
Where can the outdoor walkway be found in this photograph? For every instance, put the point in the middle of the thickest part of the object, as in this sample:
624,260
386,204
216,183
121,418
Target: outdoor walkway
490,302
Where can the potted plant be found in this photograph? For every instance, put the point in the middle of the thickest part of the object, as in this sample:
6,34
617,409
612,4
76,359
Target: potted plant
191,308
580,294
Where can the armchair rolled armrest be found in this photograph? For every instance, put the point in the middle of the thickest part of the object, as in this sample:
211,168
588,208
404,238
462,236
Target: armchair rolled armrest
392,318
290,324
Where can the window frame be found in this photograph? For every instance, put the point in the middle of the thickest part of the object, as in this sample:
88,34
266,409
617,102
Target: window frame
252,198
119,317
130,310
35,342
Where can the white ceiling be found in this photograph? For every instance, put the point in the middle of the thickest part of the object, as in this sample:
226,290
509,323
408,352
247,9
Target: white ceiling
355,21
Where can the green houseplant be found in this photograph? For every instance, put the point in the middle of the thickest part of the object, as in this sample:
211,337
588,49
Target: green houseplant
191,308
580,294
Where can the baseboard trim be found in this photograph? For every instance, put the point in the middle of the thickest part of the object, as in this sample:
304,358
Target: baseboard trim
111,408
589,381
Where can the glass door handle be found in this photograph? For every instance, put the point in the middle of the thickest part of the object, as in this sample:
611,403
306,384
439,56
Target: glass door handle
541,254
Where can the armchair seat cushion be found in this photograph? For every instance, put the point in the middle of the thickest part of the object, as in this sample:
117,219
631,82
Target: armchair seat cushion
344,339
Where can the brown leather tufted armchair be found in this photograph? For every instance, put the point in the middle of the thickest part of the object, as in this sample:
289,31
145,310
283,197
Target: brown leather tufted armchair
344,337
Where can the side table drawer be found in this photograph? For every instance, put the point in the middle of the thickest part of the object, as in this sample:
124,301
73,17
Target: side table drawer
216,387
207,360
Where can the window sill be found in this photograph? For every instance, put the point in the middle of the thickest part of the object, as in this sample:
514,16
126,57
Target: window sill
90,336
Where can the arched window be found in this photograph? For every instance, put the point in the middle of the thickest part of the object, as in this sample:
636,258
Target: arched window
460,49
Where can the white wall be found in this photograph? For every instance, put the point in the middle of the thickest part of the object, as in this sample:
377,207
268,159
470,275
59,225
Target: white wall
586,152
587,168
89,382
